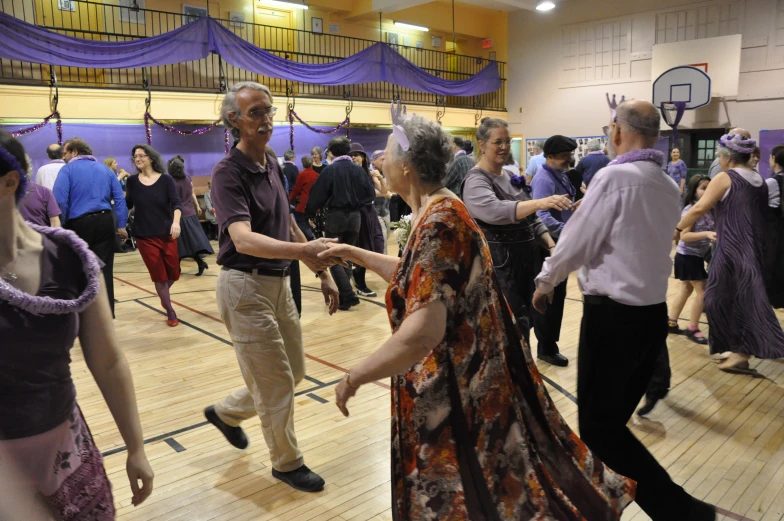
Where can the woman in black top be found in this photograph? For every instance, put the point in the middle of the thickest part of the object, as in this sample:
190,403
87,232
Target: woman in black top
156,224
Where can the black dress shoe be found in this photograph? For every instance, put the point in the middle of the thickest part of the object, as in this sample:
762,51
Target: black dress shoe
302,479
648,406
234,435
557,359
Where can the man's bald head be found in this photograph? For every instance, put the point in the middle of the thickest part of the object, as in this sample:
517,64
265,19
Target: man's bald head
54,151
742,131
641,118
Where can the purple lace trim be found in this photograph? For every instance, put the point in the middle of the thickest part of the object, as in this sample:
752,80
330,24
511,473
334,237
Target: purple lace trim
342,158
460,153
641,154
48,305
88,158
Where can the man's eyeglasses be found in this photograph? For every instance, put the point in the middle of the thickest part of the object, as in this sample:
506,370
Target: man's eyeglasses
257,114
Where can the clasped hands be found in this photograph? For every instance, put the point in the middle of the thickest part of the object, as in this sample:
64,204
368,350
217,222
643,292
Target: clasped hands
321,254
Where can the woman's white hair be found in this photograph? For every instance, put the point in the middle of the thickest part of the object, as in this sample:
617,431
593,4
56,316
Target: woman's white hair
430,150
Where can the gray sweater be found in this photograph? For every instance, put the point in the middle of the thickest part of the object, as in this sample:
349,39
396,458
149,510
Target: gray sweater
484,204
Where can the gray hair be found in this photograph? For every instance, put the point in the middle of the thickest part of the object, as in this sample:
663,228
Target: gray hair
486,127
644,121
318,151
307,161
538,145
594,144
230,105
738,158
430,150
288,155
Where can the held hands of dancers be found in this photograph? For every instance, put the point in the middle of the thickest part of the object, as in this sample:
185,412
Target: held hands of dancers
138,469
336,253
122,232
310,254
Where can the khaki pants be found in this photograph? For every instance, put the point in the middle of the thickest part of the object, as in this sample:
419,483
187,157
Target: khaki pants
263,323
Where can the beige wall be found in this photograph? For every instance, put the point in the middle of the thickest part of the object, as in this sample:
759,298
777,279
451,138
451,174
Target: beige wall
23,104
543,102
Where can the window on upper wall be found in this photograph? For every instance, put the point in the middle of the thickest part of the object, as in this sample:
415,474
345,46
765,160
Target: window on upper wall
596,52
721,19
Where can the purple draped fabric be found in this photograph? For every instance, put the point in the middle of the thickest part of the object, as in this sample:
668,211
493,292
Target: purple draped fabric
196,40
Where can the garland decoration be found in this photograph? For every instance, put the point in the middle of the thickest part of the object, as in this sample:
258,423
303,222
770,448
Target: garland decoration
195,132
293,115
58,126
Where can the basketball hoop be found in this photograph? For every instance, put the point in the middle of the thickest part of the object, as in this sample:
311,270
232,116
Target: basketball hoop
672,112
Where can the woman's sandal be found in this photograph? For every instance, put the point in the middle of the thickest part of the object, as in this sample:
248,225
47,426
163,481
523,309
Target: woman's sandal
691,334
737,366
673,329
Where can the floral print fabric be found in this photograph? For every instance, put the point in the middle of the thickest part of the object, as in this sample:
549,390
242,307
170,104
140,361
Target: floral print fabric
475,435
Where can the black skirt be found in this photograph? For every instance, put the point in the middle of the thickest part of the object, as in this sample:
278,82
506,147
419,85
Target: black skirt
192,240
690,267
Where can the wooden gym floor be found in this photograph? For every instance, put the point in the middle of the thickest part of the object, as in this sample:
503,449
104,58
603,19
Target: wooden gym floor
719,435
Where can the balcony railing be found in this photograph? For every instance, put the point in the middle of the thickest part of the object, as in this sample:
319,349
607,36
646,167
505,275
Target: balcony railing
97,21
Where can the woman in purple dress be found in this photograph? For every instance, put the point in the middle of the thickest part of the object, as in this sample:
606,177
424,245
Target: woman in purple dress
677,170
192,242
742,321
51,292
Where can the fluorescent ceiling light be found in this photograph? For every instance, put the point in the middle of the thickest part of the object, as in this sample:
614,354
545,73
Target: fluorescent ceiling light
410,26
545,6
283,5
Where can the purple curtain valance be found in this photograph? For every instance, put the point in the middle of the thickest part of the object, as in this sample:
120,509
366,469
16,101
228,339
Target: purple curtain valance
196,40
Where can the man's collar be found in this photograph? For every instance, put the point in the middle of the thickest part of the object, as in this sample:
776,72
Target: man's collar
595,152
57,161
288,162
242,159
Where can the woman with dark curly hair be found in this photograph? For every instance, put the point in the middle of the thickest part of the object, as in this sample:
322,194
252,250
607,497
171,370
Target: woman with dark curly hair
156,224
192,243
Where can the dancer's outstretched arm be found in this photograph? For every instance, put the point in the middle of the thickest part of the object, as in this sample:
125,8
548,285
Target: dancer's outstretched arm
382,265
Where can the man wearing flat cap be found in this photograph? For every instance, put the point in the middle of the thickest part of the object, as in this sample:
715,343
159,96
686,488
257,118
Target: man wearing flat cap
551,179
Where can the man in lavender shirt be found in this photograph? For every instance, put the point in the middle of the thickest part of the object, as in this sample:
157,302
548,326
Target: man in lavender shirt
551,179
621,240
47,174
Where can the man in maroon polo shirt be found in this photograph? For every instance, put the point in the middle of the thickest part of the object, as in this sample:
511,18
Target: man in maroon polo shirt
258,239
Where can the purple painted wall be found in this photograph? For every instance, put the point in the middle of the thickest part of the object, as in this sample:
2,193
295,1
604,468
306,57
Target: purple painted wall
768,140
200,152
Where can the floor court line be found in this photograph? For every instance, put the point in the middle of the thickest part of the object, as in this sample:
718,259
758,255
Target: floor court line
314,358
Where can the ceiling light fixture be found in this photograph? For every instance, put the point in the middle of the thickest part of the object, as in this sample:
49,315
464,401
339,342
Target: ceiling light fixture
282,5
545,6
410,26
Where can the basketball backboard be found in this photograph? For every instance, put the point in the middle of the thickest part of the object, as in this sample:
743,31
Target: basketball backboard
719,58
688,84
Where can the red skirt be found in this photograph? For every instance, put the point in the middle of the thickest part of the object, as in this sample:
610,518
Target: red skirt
160,256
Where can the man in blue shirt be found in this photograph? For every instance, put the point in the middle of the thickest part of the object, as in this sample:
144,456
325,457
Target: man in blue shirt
551,179
594,161
85,190
535,162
